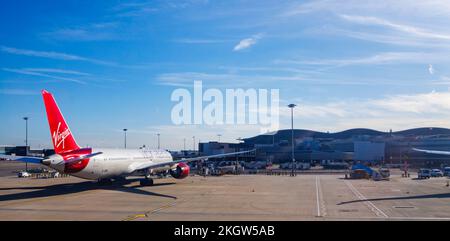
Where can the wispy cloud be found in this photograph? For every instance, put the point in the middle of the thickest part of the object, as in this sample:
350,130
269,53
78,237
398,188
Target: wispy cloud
418,32
145,8
52,55
58,71
68,57
186,79
273,69
424,103
134,9
399,7
18,92
259,79
199,41
430,69
397,22
385,38
247,42
442,80
92,32
40,74
380,58
136,12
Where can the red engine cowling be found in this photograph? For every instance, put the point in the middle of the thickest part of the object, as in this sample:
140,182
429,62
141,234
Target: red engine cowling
180,171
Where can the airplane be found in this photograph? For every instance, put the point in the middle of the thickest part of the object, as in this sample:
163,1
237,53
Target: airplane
105,165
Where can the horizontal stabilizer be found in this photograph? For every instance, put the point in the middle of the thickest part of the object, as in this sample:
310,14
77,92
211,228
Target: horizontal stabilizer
71,160
82,157
28,159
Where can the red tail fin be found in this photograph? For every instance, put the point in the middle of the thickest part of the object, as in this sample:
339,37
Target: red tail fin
62,138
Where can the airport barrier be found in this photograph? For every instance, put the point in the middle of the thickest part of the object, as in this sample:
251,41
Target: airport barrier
286,172
46,175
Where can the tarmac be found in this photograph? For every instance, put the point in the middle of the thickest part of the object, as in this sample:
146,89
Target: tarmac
229,197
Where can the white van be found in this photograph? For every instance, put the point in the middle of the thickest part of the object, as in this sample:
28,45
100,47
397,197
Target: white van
23,174
424,173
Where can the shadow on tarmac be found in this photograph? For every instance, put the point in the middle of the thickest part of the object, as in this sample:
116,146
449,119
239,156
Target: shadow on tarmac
441,195
70,188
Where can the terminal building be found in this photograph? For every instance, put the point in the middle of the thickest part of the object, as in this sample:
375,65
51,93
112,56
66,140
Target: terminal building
25,151
354,145
215,148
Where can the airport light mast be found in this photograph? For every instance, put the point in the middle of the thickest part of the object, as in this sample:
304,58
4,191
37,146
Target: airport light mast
125,135
26,141
291,106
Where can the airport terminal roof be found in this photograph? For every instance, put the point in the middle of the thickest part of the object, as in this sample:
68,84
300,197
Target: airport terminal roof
302,133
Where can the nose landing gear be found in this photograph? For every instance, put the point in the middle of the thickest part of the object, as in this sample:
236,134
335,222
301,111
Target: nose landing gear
147,181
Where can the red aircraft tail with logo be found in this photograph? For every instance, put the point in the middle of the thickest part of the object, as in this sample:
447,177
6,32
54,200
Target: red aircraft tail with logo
62,137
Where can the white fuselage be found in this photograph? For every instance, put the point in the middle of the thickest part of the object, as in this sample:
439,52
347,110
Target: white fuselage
118,162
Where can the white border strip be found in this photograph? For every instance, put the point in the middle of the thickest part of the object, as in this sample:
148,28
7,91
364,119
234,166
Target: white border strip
318,197
361,197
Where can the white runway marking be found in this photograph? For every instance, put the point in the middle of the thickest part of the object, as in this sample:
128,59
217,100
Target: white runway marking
420,218
321,211
369,204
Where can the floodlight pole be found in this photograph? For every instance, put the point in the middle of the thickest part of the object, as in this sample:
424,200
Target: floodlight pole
291,106
125,137
26,141
159,144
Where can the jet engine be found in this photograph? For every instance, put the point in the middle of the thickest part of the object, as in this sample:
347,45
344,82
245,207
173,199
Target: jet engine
180,171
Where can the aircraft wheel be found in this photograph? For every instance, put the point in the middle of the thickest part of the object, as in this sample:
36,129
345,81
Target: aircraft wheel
146,182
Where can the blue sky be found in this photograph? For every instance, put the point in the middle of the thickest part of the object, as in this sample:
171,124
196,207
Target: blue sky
114,64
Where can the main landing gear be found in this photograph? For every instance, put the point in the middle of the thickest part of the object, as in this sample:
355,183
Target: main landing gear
147,181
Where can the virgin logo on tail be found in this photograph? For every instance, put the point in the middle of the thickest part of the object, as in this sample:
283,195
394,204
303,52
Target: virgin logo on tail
59,138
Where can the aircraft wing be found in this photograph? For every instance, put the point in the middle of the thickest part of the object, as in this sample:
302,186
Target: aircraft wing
432,151
28,159
213,156
185,160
